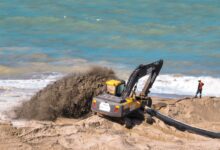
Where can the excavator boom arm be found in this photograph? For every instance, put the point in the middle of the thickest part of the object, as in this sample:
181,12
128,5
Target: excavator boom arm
152,69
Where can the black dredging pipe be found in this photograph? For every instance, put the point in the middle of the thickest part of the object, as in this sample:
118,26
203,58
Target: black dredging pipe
182,126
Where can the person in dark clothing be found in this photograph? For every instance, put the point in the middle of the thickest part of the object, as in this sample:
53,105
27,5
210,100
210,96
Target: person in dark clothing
199,90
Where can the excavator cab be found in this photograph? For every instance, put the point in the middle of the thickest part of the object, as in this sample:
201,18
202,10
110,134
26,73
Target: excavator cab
115,87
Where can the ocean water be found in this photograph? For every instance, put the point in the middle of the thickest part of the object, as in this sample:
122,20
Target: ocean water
40,41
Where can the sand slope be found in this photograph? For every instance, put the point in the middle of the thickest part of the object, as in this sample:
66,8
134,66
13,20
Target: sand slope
95,132
203,113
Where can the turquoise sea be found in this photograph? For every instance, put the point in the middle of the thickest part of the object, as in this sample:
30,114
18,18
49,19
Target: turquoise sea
47,37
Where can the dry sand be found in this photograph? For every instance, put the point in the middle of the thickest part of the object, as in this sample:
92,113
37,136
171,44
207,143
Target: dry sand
94,132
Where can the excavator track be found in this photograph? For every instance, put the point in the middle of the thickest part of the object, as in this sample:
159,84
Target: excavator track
180,125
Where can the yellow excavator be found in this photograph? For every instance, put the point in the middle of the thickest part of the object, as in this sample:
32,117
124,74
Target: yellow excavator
121,100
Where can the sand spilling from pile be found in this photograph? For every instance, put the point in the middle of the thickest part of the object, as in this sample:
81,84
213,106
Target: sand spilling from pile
69,97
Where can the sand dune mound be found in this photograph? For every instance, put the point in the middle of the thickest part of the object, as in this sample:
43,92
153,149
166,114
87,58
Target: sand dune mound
196,111
70,96
96,132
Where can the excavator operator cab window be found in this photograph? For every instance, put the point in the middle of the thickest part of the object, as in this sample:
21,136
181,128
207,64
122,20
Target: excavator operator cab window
120,89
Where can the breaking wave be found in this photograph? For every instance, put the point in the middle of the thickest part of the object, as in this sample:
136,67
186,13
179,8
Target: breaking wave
183,85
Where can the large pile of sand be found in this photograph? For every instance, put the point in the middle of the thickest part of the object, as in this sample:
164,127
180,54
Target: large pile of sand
70,96
199,112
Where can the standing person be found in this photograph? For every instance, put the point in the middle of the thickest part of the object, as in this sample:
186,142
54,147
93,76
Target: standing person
199,90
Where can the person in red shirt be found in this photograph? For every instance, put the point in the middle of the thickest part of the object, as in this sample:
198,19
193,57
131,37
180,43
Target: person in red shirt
199,90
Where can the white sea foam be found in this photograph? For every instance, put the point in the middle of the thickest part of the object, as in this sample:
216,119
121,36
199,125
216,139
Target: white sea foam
14,92
183,85
38,82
